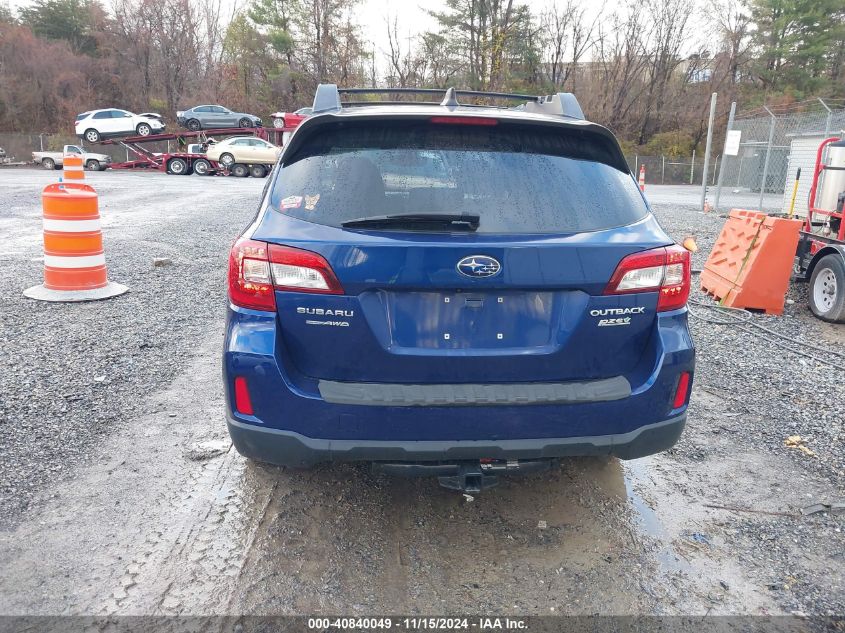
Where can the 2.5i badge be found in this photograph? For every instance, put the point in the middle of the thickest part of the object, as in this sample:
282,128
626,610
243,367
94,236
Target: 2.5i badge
617,316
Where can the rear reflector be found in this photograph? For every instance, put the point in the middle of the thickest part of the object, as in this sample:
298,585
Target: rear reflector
463,120
257,270
682,391
243,404
665,270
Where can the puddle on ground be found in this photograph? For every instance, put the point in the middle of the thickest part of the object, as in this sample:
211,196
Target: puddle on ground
636,475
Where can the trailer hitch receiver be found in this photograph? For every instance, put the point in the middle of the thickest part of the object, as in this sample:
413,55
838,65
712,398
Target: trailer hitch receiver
470,478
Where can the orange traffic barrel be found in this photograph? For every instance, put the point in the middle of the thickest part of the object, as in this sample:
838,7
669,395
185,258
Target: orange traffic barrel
751,261
74,261
641,180
72,168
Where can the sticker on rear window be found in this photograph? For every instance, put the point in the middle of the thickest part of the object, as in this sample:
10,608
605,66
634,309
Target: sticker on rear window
311,202
291,202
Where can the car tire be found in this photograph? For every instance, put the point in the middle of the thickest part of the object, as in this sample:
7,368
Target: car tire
278,123
227,160
48,163
177,167
202,167
92,136
244,122
827,289
92,165
144,129
258,171
193,125
239,170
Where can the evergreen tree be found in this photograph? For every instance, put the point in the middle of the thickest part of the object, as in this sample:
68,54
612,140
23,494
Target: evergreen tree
74,21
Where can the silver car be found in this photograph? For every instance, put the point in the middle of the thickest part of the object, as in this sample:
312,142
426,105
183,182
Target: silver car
208,117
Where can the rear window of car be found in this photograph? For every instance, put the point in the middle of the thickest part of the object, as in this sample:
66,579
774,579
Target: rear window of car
516,178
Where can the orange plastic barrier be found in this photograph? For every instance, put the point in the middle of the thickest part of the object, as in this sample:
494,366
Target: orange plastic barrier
74,262
72,167
751,262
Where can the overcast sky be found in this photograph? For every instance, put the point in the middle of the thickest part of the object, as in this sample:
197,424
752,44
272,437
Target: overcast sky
413,17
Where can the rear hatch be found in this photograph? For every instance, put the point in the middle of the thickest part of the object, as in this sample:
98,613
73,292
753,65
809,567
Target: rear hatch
465,251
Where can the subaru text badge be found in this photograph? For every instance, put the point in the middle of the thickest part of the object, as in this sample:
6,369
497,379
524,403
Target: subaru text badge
479,266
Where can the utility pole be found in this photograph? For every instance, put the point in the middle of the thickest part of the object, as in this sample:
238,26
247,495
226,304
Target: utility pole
722,169
768,155
827,120
704,173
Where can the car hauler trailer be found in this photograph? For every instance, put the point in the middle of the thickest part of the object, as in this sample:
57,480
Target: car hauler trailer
820,257
183,163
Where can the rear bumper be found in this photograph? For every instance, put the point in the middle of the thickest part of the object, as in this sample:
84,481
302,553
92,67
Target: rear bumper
287,448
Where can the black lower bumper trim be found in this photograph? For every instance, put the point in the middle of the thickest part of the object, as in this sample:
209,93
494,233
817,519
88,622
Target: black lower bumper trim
452,395
287,448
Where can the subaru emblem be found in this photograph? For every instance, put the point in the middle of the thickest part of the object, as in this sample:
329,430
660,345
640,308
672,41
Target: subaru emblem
479,266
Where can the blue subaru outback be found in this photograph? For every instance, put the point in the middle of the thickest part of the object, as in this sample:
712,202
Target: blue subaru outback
454,290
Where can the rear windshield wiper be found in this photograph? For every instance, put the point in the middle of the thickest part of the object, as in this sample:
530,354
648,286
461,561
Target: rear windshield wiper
417,222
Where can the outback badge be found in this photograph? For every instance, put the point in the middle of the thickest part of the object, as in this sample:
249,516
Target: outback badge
479,266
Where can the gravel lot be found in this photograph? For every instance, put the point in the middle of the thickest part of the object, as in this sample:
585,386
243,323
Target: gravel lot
73,372
120,493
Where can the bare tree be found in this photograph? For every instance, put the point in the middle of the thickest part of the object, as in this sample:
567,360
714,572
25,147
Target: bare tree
669,25
615,82
439,60
568,37
405,65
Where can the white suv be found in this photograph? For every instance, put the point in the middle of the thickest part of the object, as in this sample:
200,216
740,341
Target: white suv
99,124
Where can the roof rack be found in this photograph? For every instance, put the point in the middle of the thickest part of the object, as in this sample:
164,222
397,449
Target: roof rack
327,99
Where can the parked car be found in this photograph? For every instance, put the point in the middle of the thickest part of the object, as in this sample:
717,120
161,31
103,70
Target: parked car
243,151
290,119
55,160
455,291
206,117
96,125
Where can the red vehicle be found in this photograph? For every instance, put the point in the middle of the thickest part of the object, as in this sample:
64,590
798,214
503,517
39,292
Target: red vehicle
820,258
290,120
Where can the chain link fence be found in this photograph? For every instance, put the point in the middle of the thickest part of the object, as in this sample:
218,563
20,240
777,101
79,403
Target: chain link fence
764,153
672,170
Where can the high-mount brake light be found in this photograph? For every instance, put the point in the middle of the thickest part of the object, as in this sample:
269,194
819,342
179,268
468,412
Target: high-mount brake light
258,269
463,120
665,270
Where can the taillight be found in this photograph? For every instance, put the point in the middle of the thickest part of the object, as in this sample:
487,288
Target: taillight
302,271
665,270
258,269
249,276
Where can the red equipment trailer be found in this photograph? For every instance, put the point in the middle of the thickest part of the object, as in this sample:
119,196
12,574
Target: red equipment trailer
185,163
820,257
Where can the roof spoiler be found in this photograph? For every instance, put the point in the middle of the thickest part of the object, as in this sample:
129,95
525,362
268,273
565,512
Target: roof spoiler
327,99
